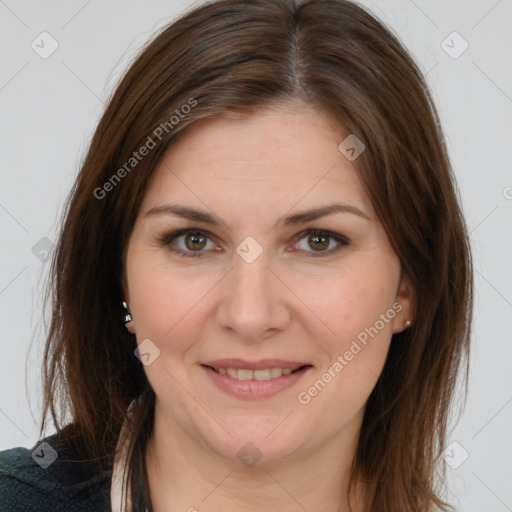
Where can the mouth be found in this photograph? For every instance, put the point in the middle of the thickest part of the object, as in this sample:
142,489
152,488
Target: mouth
262,374
250,380
255,380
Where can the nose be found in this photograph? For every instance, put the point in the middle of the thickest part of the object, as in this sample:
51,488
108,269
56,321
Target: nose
254,301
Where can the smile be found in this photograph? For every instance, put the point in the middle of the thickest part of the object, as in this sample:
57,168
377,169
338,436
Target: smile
248,374
253,384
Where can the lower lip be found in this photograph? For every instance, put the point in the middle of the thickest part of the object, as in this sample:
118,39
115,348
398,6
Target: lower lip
253,389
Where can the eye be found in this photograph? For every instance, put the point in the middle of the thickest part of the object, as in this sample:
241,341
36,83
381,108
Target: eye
320,240
188,242
191,242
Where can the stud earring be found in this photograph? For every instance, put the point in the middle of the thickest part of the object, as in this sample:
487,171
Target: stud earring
407,323
128,316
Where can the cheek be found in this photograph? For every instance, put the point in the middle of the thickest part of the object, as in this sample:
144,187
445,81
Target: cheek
166,304
356,312
354,335
352,300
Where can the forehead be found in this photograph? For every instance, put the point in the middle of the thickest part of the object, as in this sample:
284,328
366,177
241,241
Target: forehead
278,155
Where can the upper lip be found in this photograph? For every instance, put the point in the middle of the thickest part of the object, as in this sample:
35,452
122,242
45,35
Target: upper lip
262,364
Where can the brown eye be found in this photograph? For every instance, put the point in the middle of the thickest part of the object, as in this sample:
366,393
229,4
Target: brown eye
318,242
195,241
189,242
321,243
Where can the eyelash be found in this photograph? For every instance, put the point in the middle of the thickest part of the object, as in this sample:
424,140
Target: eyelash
168,238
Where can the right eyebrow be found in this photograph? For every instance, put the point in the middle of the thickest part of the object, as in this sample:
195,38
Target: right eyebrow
185,212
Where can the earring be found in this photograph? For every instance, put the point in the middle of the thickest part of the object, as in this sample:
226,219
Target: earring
127,317
407,323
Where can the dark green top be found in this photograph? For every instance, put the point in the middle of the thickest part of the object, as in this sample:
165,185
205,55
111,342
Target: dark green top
46,478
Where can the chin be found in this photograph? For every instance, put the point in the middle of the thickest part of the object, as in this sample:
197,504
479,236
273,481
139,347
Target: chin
252,441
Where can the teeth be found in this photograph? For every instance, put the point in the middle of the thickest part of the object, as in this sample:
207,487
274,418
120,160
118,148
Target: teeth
276,372
262,374
233,373
244,374
247,374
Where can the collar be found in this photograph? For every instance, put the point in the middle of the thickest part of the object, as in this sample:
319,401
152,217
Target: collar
119,478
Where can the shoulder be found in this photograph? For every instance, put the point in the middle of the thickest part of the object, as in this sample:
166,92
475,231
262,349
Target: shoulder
47,478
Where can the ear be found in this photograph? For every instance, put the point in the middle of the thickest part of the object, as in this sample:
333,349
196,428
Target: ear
405,298
130,327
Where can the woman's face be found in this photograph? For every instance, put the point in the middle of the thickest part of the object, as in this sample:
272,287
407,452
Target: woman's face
248,282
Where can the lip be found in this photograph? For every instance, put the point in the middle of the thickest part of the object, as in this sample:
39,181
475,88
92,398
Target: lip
255,389
262,364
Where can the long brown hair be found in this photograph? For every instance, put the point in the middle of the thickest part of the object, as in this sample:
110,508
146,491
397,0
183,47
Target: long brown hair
237,56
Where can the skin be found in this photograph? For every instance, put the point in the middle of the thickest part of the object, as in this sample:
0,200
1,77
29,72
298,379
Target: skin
249,171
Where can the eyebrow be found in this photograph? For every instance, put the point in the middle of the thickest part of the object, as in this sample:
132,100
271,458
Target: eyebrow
291,220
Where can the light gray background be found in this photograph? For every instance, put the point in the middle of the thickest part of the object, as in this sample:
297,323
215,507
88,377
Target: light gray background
49,110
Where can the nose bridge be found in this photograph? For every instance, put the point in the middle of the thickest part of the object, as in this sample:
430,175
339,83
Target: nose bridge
251,279
252,302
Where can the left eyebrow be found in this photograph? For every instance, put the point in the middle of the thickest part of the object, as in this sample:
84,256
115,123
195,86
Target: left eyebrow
317,213
291,220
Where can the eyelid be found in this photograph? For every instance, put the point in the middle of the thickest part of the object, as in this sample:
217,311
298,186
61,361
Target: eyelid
168,238
342,241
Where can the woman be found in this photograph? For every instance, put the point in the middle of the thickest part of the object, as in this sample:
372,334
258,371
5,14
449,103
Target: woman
269,204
